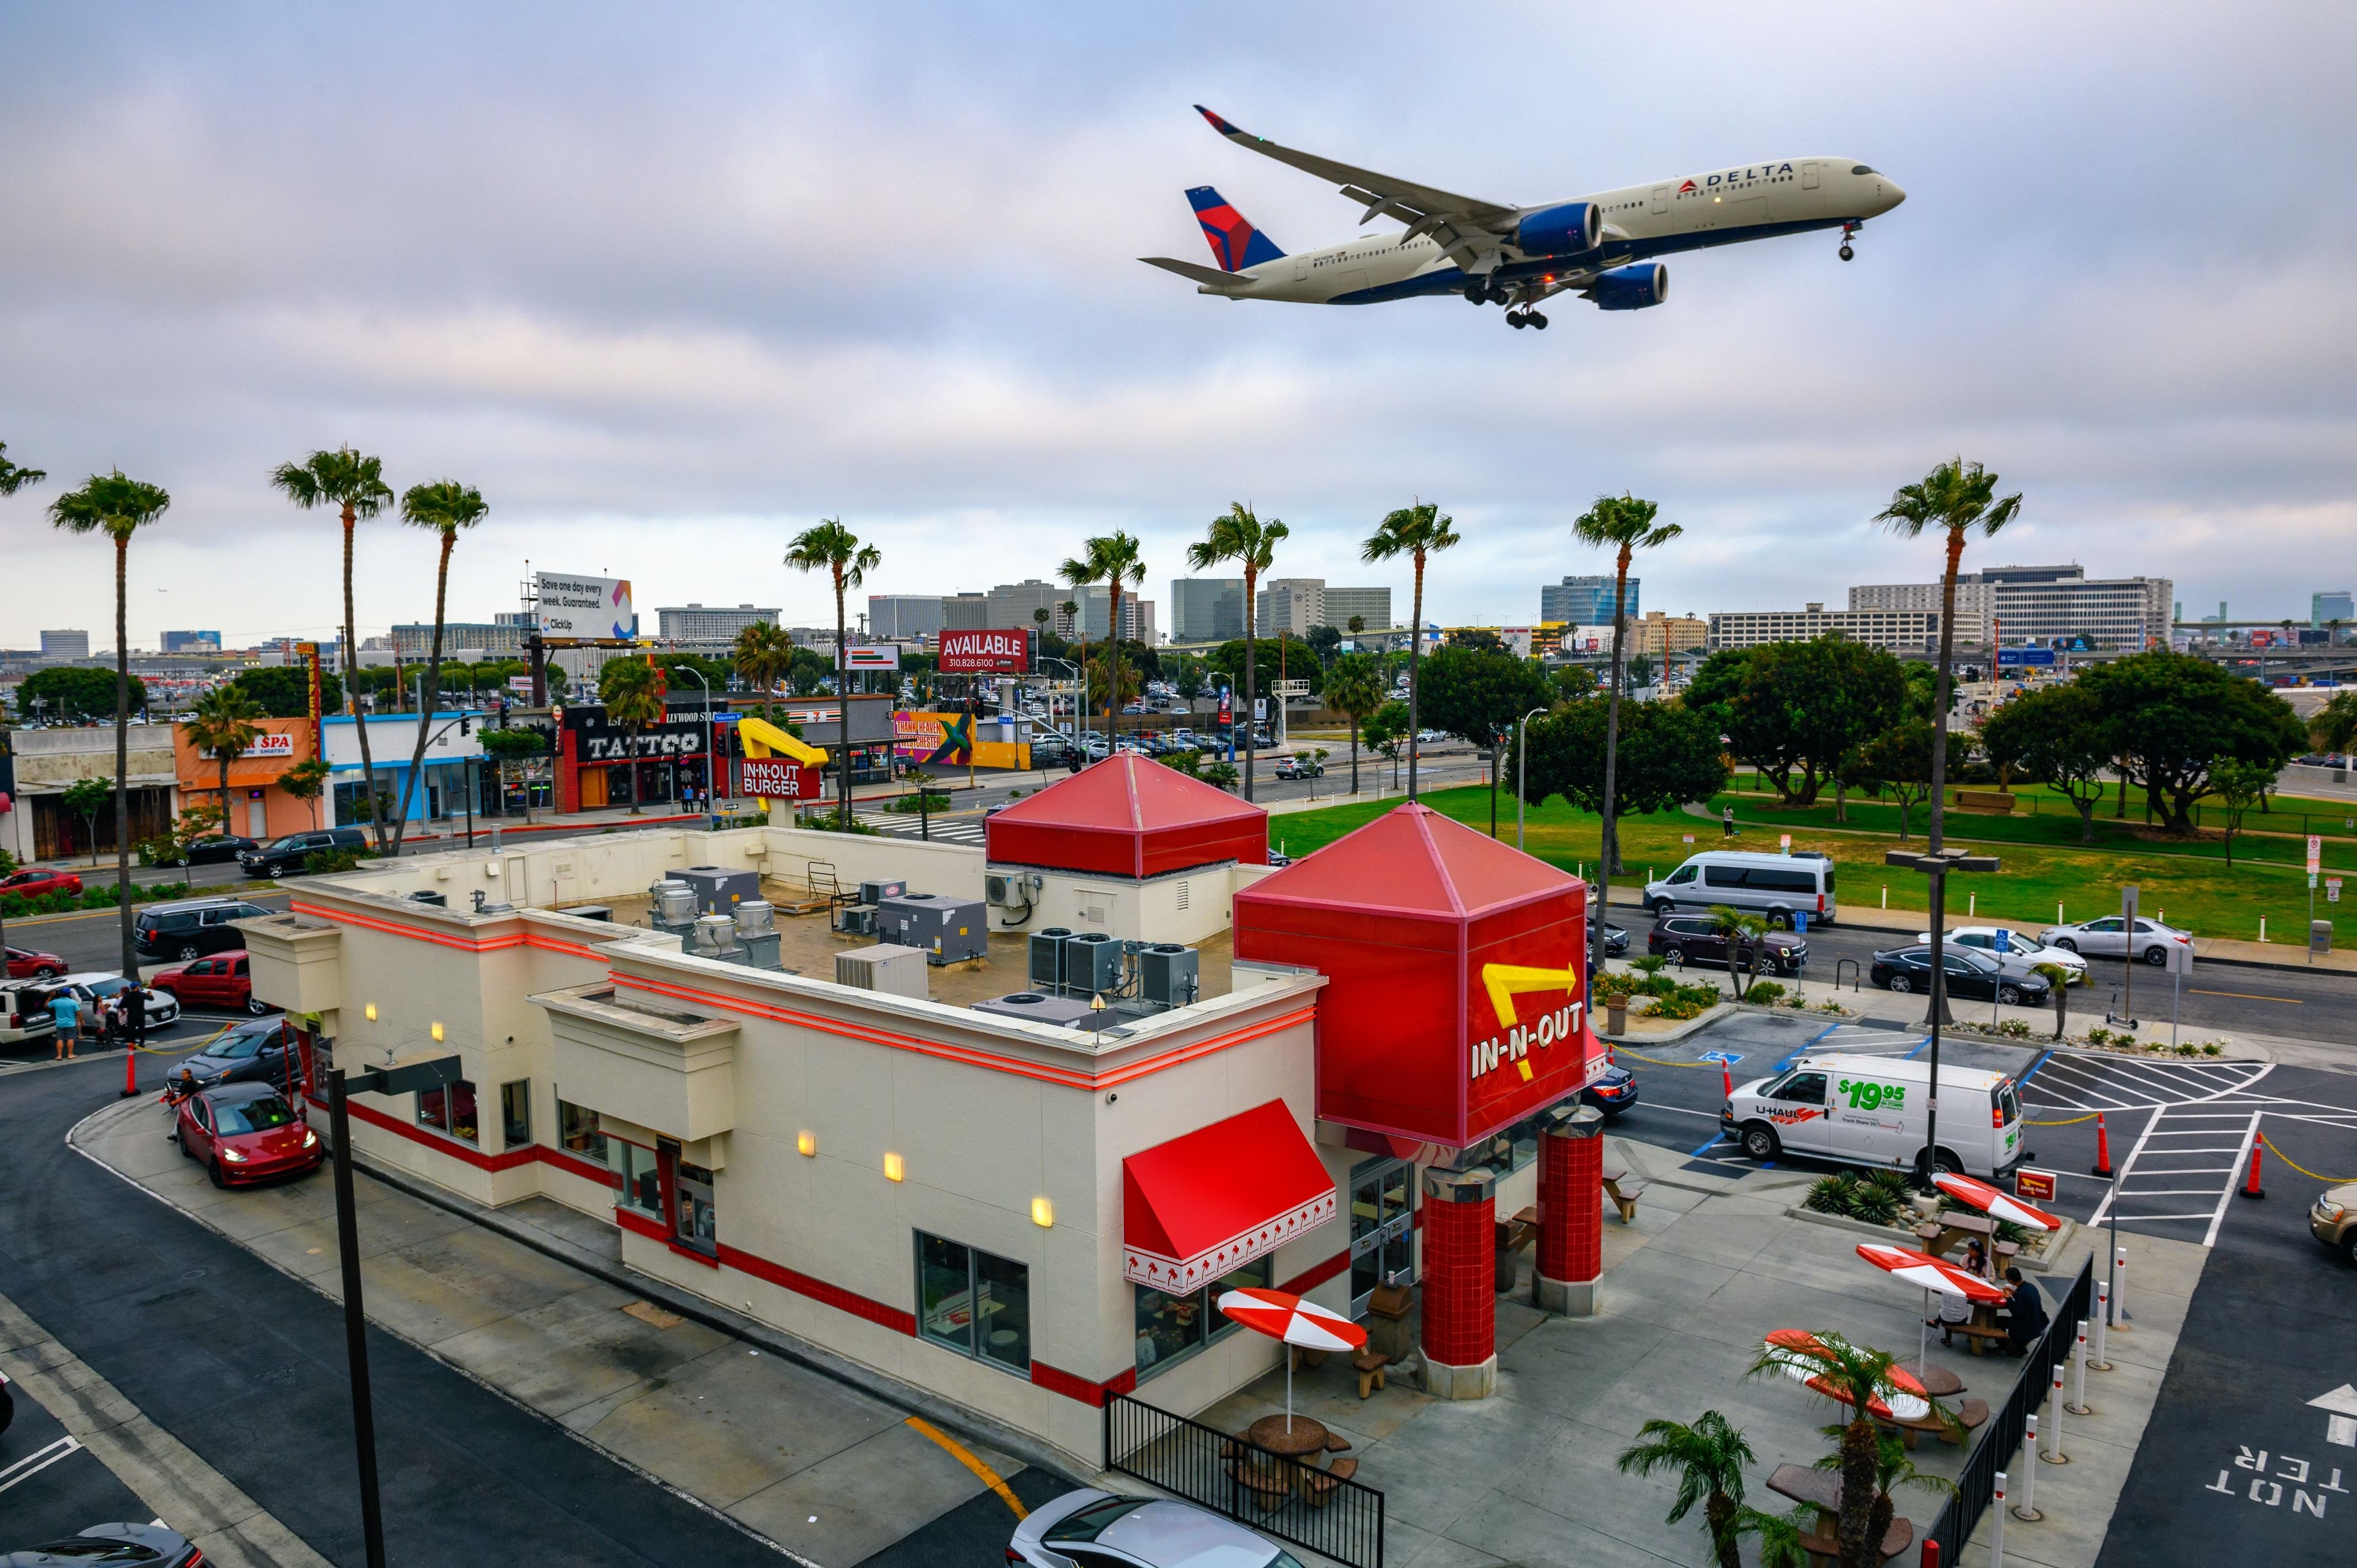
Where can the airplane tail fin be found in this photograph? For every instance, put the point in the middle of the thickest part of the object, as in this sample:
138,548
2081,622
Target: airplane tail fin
1235,244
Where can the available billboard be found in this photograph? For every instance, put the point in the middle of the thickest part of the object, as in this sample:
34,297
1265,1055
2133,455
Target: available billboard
777,779
988,651
584,607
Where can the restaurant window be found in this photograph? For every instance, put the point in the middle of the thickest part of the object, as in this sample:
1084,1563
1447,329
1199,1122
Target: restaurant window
1171,1328
974,1302
642,1181
576,1130
515,1113
450,1110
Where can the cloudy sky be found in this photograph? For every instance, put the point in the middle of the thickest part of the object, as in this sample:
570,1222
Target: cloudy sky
668,284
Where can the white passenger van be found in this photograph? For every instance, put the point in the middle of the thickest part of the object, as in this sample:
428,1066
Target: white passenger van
1870,1111
1776,886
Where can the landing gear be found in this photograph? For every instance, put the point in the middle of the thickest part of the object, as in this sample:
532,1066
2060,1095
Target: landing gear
1536,320
1846,230
1516,320
1520,319
1847,253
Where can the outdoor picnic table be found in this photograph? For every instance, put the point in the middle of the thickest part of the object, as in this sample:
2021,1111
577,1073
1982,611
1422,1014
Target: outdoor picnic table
1305,1438
1821,1489
1938,1382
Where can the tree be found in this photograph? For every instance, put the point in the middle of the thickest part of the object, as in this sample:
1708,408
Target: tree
1794,710
86,798
1386,729
1624,525
1669,756
1744,931
1358,625
2240,786
831,548
118,507
1898,760
763,655
284,691
1113,559
306,780
74,691
13,478
445,507
1239,536
1478,639
1573,682
1480,696
2334,726
518,745
1269,663
1325,641
1355,691
2171,718
1640,670
222,723
632,691
1855,1376
1708,1459
1418,532
1189,677
355,487
1102,671
2058,991
2055,735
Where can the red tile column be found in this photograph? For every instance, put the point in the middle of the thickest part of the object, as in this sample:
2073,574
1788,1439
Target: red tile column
1460,1315
1571,1211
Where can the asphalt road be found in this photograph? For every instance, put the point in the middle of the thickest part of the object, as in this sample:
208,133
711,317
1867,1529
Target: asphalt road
51,1487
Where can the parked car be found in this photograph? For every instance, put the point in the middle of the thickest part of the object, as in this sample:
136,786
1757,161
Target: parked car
222,982
1616,942
95,986
1776,886
261,1051
2333,1220
148,1545
35,882
212,850
1293,765
1613,1092
281,855
23,964
1970,973
191,928
2110,938
1106,1529
244,1132
25,1015
1697,938
2017,946
1430,736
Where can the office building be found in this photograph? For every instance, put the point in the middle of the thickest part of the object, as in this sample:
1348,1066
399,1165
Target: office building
473,640
1290,605
2323,609
1015,603
1096,602
1901,631
2044,604
65,645
1661,635
1371,605
1583,601
1207,609
191,642
717,625
966,612
903,617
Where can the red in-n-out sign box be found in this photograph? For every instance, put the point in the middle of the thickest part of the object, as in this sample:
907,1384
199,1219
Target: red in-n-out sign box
775,779
2039,1185
985,651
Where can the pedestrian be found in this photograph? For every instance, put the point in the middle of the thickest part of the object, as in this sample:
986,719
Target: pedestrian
1727,822
65,1010
2026,1313
134,1017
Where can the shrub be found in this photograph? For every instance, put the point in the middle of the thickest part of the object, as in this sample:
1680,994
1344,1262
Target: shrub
1764,991
1649,964
2015,1027
332,862
835,822
1829,1005
1831,1195
1683,1002
922,801
2210,1049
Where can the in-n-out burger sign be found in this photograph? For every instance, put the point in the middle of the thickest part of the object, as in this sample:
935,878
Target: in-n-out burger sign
1512,1046
777,779
985,652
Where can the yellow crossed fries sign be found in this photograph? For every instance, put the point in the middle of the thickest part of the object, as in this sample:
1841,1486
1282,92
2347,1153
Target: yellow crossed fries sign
1504,982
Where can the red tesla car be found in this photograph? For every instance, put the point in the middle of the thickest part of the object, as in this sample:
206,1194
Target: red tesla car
246,1133
34,883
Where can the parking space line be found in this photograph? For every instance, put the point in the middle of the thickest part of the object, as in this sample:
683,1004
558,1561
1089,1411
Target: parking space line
2227,1197
25,1469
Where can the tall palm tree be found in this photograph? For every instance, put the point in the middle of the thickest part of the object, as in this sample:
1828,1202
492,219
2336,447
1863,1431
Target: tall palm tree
1239,536
445,505
355,487
1708,1457
764,652
1113,559
118,507
1624,525
1419,532
631,689
11,479
1957,499
1354,689
1855,1376
222,723
833,549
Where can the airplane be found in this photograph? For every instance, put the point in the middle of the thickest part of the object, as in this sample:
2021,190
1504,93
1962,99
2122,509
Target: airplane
1601,247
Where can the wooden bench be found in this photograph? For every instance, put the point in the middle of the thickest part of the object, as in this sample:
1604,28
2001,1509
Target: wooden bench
1320,1485
1522,1230
1624,1194
1973,1333
1982,800
1336,1444
1824,1546
1821,1489
1304,1356
1370,1365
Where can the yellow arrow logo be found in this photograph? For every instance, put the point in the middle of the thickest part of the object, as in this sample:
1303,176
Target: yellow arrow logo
1504,982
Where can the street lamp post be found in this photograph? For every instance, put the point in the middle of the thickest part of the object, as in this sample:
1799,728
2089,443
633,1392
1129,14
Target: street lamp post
711,743
1936,865
1522,769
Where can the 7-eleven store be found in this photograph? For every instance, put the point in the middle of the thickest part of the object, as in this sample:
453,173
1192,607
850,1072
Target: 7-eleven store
1020,1217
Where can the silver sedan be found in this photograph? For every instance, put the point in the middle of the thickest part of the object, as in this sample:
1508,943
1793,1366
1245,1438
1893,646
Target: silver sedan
2110,938
1106,1529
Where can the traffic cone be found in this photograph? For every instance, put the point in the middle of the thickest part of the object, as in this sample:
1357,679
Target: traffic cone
130,1069
1726,1079
2251,1187
2103,1147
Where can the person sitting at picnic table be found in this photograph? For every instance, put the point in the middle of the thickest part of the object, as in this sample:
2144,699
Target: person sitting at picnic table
2026,1313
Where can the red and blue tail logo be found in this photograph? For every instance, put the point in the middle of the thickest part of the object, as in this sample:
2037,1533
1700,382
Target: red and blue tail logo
1235,244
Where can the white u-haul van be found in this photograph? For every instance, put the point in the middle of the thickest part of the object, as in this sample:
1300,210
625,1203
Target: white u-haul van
1873,1110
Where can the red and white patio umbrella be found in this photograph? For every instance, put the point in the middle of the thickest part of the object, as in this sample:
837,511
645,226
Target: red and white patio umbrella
1904,1399
1288,1317
1994,1202
1806,1359
1933,1275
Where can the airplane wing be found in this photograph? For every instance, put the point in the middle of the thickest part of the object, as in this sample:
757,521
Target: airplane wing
1467,227
1212,278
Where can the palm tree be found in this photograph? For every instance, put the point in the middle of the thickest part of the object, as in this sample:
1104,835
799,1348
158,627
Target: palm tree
1744,932
1417,531
1354,690
118,507
1114,560
833,549
1857,1375
632,692
2334,726
1892,1470
222,723
355,487
2058,991
763,653
11,479
1239,536
1624,525
1709,1457
1078,574
445,505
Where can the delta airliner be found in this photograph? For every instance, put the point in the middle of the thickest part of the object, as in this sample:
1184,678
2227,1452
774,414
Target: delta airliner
1602,247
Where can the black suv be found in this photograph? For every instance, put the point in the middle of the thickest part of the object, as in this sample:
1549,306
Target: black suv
1696,938
281,856
191,928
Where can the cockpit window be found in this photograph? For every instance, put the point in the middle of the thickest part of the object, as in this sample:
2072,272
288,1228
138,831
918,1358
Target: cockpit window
1861,168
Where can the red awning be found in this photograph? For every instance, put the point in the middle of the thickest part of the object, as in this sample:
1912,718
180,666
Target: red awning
1206,1204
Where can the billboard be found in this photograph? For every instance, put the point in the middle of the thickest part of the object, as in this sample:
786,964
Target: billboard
2037,657
871,656
985,653
777,779
583,606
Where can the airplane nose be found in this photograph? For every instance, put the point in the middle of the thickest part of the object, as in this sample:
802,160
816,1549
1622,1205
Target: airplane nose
1893,194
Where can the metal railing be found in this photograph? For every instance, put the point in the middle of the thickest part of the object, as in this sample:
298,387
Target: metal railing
1976,1483
1289,1498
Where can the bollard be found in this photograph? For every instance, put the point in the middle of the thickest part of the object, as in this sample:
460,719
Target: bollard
1997,1530
2054,1454
2120,1289
2026,1509
2103,1147
2077,1405
2102,1310
2251,1188
1930,1558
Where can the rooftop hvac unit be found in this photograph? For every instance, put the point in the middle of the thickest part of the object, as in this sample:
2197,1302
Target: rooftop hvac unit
856,920
1056,1011
1046,953
1092,965
1170,974
757,933
673,906
877,892
1010,889
718,891
712,936
950,929
428,896
886,967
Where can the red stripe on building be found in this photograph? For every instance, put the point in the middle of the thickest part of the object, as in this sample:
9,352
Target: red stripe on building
1057,1381
1316,1274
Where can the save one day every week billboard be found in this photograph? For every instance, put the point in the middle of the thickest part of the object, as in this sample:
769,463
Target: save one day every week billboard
584,607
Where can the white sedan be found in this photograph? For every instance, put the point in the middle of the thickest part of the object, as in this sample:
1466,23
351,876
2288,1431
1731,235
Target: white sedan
95,986
2110,937
2018,945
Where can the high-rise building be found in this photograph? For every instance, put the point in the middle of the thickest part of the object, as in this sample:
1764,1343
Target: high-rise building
1584,601
903,617
2323,609
1901,631
1012,604
191,642
1662,635
1096,605
1290,604
65,645
2044,604
966,612
1371,605
697,623
1207,609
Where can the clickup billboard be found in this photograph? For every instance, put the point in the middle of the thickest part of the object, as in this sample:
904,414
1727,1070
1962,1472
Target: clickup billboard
584,607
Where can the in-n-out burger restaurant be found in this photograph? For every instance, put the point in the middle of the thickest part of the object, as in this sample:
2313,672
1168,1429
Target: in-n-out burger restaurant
1002,1196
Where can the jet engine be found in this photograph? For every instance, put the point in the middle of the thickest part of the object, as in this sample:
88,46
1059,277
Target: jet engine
1630,287
1565,230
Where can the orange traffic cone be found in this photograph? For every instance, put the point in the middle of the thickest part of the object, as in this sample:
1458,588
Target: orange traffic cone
2103,1147
1726,1079
2251,1187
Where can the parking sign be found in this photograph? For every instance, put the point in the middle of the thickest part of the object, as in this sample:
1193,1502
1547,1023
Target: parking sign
2315,854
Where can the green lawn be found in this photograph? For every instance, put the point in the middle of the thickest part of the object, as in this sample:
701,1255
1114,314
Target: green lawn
2194,890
